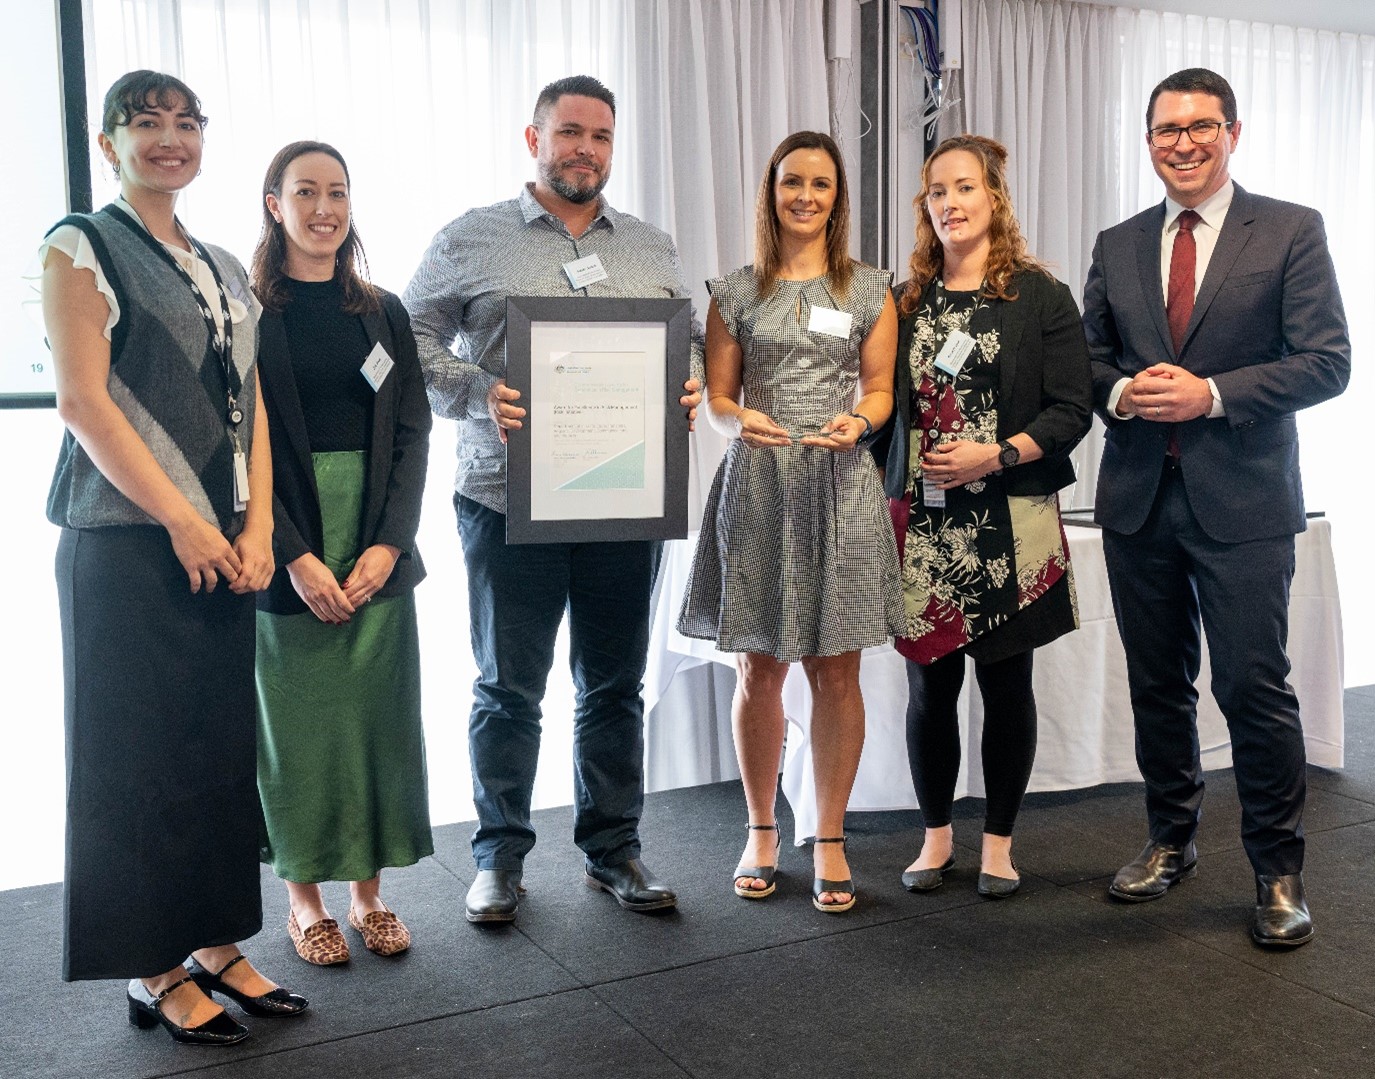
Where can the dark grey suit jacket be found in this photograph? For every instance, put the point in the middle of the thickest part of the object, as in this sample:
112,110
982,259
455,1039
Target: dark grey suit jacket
1267,327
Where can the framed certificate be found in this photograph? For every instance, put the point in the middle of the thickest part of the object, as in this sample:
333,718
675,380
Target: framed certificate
603,452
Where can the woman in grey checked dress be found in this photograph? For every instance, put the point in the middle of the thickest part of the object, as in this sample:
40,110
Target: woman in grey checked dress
796,559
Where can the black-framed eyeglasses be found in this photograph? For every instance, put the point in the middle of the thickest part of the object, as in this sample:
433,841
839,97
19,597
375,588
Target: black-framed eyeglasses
1201,133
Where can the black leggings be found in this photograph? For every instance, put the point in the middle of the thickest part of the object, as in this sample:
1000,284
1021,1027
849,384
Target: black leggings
1009,736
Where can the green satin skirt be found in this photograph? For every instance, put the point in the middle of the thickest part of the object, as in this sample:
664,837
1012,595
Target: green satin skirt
341,752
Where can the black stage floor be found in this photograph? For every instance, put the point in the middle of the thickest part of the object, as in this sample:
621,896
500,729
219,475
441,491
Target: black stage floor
1058,981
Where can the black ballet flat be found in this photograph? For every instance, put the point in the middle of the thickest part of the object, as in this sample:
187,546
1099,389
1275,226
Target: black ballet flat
278,1004
145,1014
927,880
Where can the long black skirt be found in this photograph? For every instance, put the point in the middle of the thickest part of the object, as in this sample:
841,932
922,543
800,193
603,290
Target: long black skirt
163,819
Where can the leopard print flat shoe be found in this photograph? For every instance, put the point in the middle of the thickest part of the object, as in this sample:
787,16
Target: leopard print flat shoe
322,943
382,931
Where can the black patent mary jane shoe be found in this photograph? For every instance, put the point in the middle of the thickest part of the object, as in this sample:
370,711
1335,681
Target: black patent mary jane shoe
278,1004
145,1013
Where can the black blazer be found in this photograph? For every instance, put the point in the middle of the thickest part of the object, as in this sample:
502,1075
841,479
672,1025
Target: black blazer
397,458
1044,386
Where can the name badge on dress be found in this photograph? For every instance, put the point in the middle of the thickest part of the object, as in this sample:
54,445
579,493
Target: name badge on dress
829,321
377,366
954,352
585,271
931,495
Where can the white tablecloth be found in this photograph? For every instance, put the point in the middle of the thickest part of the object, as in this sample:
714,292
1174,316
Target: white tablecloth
1085,725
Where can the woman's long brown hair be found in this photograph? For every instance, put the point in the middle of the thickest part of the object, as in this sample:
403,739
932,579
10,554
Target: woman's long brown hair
1007,253
268,272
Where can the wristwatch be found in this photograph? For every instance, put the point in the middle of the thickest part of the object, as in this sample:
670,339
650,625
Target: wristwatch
1008,454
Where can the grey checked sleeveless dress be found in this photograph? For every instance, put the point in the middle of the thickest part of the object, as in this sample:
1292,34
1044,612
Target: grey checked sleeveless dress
796,556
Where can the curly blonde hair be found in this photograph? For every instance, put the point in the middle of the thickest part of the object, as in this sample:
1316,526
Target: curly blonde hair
1007,253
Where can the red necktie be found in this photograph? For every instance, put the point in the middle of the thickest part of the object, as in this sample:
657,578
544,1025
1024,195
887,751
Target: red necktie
1179,296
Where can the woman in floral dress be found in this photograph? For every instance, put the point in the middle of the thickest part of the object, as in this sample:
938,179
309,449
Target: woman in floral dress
992,394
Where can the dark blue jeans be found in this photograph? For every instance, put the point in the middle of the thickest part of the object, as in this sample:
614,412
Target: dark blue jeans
517,596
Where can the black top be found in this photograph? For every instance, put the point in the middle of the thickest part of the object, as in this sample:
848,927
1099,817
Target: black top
328,347
398,451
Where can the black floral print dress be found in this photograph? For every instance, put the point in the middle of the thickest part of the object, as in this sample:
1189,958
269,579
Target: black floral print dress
988,572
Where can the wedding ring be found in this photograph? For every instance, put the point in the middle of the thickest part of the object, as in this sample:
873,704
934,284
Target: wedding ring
1157,410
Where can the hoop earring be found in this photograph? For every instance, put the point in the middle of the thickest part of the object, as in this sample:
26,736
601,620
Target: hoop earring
114,165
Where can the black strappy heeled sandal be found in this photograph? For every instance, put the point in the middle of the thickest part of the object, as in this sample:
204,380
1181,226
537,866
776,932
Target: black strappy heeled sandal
821,884
759,872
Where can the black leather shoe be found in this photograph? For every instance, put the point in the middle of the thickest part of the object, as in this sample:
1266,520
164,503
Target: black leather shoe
145,1014
633,885
1282,919
927,880
1157,869
494,896
278,1004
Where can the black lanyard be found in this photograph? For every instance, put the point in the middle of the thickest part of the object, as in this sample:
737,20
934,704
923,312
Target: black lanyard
222,343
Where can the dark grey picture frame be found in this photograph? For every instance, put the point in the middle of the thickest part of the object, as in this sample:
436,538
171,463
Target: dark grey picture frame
676,315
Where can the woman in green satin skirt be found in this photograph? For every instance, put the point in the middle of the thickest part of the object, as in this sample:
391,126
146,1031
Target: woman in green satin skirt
341,758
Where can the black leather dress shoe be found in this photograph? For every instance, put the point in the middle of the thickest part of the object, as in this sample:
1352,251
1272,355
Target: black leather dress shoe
1157,869
279,1003
1282,919
633,885
494,896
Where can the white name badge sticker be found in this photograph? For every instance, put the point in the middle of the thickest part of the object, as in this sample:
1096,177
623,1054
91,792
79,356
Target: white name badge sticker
377,366
829,321
954,352
931,495
240,481
585,271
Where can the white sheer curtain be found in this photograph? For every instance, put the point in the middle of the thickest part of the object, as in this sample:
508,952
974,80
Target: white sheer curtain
428,101
1044,79
1064,85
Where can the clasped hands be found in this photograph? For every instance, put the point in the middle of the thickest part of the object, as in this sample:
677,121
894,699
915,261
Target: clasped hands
953,464
1165,393
246,564
841,433
336,602
508,416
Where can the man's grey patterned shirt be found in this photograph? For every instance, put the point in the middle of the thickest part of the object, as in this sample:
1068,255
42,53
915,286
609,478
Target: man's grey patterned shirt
457,304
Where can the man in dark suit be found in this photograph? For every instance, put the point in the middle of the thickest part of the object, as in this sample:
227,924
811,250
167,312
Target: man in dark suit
1211,320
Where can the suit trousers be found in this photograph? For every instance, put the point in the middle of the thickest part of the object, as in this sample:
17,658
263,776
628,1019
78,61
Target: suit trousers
1168,579
517,596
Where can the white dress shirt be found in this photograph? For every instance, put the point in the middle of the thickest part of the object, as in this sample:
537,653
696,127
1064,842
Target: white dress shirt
1212,212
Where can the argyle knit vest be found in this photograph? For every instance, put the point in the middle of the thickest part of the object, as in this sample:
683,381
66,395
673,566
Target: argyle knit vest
165,377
